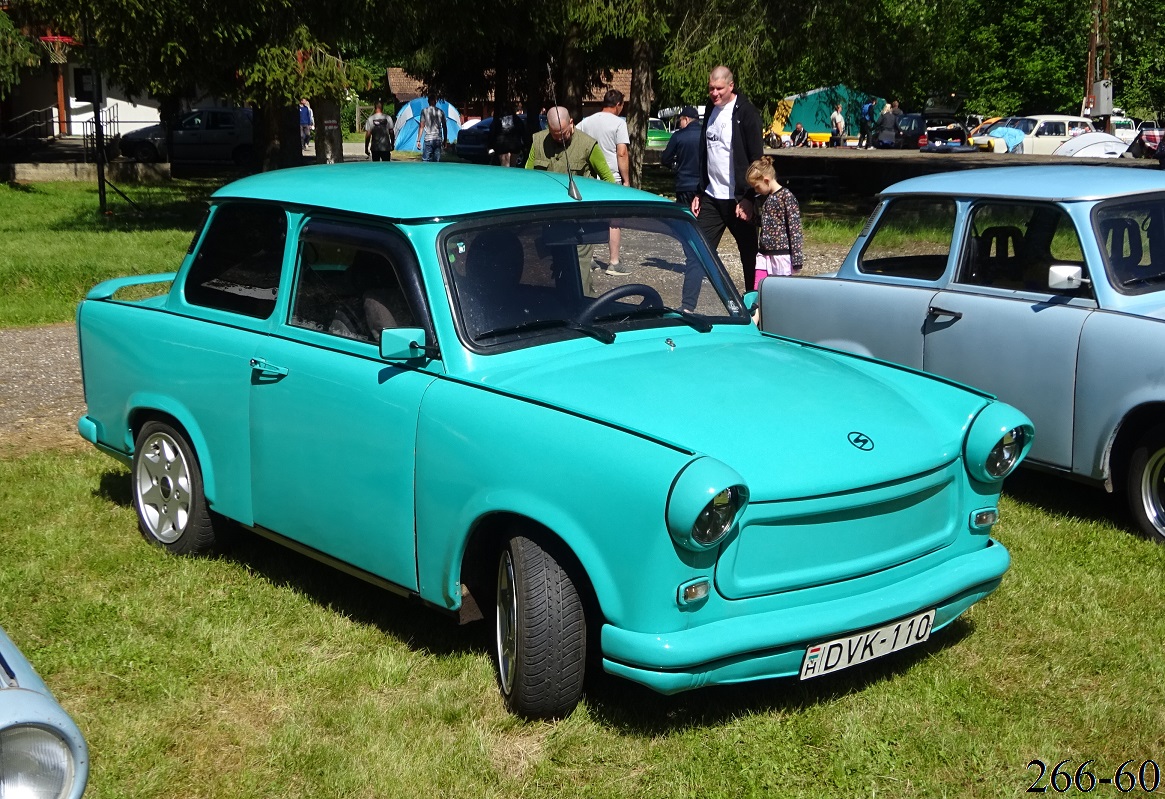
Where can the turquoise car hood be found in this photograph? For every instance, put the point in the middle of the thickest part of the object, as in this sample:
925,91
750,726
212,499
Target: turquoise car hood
793,420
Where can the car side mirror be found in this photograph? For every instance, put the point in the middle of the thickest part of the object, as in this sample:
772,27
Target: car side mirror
1065,277
405,344
751,301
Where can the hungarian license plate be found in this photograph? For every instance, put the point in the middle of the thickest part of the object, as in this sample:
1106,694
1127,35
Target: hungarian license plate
841,653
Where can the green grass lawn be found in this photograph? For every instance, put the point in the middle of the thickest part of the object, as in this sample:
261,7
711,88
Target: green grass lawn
259,673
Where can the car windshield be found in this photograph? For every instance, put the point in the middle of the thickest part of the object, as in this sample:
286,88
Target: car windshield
527,281
1131,236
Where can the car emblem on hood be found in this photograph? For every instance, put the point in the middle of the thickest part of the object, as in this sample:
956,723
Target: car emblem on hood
861,441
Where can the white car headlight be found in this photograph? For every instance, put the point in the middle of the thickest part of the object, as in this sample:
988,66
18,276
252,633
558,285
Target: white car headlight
704,504
999,439
34,763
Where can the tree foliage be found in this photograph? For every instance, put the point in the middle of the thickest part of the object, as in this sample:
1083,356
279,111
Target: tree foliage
16,54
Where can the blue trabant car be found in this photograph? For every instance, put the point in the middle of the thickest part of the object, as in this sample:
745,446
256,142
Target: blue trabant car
42,752
416,373
1044,285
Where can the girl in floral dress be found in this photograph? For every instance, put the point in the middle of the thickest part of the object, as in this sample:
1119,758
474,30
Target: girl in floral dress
782,242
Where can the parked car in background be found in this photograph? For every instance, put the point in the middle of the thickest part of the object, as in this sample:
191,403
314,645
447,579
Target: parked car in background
1124,128
433,390
1044,285
977,137
1043,133
207,134
1149,139
42,751
473,143
657,133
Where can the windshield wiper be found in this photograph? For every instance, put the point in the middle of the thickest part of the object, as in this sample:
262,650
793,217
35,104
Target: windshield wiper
693,320
604,336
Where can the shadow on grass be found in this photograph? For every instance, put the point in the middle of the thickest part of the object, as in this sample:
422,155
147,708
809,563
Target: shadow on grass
180,205
612,700
1060,496
633,708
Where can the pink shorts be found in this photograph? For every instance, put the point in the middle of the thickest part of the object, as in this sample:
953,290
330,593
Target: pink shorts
767,265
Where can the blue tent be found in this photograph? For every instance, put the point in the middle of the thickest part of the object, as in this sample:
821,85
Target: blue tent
409,118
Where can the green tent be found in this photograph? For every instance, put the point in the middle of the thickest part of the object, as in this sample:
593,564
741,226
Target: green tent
812,108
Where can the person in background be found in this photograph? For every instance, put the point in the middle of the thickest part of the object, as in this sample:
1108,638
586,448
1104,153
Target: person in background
886,130
379,136
682,154
432,131
609,129
799,137
507,135
732,140
560,148
782,241
837,127
866,124
307,121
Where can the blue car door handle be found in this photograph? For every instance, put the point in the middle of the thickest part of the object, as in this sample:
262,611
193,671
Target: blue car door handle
934,310
267,369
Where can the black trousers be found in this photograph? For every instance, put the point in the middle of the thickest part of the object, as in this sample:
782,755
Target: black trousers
718,215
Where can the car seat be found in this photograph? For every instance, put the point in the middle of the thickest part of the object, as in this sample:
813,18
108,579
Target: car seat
1118,235
493,274
998,253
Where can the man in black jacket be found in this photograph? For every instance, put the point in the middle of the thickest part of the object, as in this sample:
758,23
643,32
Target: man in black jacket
683,155
732,141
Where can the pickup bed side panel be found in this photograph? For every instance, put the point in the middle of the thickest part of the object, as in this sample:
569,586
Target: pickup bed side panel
194,370
1123,358
877,319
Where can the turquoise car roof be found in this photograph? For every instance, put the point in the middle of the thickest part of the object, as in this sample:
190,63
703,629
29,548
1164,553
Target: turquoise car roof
418,190
1053,182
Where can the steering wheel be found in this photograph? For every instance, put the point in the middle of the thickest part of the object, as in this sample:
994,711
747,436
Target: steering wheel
651,299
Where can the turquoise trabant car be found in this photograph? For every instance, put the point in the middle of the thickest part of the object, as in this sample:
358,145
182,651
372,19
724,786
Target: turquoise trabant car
419,373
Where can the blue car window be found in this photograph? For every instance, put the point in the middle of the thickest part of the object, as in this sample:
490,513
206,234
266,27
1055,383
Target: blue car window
1131,236
911,239
1011,246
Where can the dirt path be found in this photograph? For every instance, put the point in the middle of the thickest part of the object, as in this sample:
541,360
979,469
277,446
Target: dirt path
40,372
40,389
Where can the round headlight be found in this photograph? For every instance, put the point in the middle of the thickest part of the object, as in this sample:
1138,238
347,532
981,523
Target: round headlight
718,515
705,501
999,439
1006,453
34,762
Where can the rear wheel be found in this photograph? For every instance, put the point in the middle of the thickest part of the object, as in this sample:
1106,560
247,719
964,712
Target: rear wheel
540,632
145,152
1146,484
167,492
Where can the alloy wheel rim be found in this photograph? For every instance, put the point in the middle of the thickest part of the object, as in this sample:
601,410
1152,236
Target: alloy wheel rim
162,488
1153,491
507,622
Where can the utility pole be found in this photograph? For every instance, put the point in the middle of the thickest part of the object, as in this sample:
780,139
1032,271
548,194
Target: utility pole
1098,76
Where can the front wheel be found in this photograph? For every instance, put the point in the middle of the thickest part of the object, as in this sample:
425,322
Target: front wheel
167,492
1146,484
540,633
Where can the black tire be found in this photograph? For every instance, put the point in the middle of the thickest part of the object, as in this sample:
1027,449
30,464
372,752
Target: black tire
145,152
167,492
1145,485
539,633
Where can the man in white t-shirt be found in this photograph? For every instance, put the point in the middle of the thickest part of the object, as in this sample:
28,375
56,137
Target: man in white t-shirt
732,141
609,129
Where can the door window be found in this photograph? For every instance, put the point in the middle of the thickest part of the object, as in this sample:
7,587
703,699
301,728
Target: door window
1011,246
912,239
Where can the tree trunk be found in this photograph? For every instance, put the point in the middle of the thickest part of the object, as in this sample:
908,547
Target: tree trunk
329,136
639,104
571,75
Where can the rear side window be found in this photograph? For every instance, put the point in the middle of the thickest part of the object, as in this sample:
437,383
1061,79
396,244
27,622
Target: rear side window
237,267
1012,245
912,239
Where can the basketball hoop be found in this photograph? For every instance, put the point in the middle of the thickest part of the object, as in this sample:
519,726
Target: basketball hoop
58,47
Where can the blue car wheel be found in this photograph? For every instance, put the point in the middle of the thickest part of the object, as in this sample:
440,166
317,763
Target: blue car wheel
540,633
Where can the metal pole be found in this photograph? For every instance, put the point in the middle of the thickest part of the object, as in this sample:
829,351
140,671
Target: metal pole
98,103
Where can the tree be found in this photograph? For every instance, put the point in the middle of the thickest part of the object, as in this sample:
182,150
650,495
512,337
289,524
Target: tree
16,54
